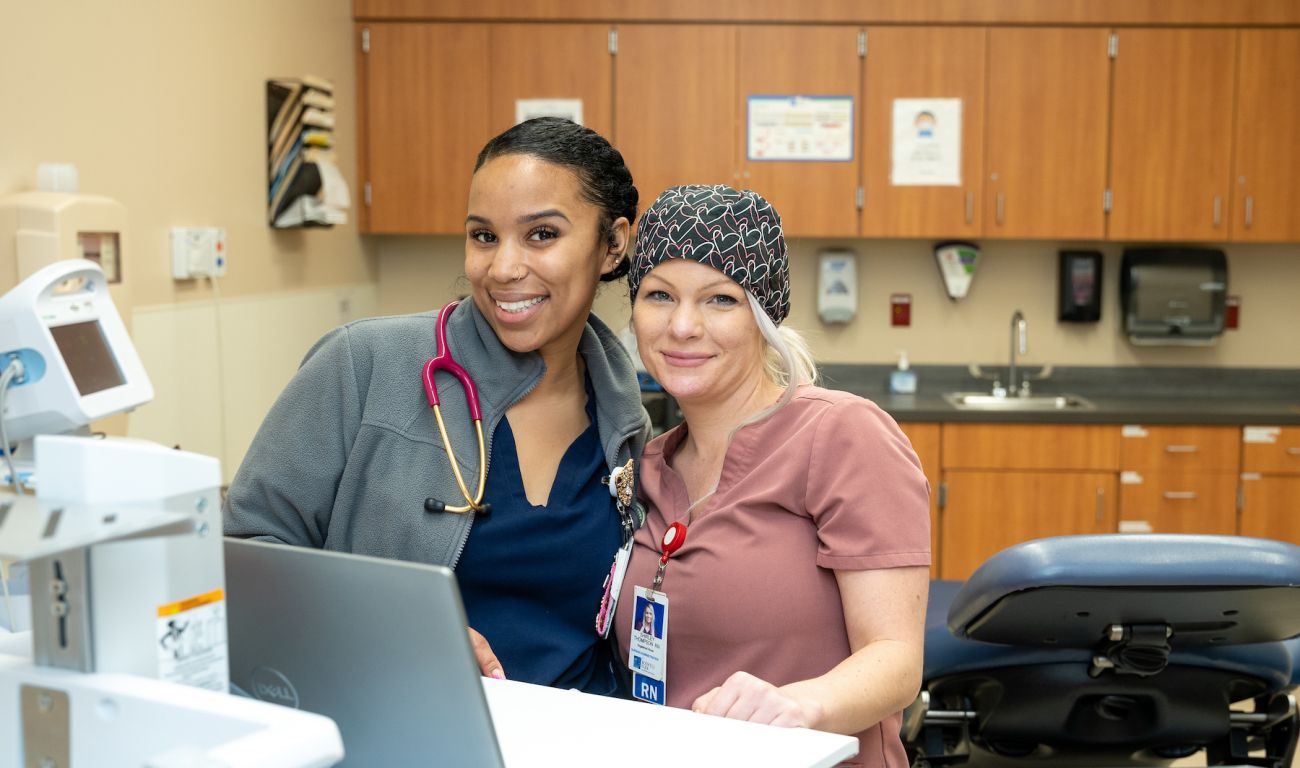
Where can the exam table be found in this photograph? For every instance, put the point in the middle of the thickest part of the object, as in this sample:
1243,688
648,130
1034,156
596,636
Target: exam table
1113,650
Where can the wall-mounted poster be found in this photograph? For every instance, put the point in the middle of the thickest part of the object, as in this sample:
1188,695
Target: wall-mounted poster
927,143
801,128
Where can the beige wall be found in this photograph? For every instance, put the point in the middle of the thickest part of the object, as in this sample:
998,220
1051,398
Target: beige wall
419,273
161,105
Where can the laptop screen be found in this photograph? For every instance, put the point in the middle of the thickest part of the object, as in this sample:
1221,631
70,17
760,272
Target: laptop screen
379,646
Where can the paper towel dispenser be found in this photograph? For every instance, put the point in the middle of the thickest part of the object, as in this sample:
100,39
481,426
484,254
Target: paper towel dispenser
1173,295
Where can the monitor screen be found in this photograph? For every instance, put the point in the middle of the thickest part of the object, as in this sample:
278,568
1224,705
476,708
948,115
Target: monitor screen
88,356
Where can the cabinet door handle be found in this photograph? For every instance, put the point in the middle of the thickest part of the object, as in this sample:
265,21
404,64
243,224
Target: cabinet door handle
1101,505
1250,210
1293,451
970,207
1181,449
1218,210
1001,204
1180,495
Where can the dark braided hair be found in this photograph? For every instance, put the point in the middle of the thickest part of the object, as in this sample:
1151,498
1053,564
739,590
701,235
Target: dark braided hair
606,182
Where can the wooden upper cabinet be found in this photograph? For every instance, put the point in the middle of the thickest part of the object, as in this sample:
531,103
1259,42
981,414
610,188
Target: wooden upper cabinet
813,197
523,64
676,123
1267,163
424,94
1171,134
931,63
1048,108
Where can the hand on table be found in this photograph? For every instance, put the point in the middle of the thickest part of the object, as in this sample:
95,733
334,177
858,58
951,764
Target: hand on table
487,660
745,697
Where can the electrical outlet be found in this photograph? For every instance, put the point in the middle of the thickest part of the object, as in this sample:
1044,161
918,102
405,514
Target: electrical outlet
198,252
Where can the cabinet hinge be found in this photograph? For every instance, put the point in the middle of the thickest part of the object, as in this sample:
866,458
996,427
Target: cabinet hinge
1106,201
366,193
613,41
365,40
859,198
943,495
862,44
1112,47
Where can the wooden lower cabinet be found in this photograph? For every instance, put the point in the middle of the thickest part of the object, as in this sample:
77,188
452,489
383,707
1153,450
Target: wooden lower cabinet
1270,507
988,511
925,441
1179,502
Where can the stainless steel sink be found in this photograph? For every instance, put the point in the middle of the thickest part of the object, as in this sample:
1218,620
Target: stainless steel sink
982,401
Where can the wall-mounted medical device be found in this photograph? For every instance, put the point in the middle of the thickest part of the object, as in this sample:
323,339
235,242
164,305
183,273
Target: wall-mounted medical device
1173,295
837,286
40,228
79,364
957,264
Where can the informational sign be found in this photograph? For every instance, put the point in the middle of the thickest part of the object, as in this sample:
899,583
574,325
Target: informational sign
800,128
569,109
192,646
927,143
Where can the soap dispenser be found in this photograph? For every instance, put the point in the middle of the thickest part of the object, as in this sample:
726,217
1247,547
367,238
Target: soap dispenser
902,380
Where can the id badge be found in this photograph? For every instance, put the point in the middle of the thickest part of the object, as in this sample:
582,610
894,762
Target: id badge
613,585
647,655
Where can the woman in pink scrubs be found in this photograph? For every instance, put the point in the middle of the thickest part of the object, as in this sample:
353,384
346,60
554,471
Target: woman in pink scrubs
798,595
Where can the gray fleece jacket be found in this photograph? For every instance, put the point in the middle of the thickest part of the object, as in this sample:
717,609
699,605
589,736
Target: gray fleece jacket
350,450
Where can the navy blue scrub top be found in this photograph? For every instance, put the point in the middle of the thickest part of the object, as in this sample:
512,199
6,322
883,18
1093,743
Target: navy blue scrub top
532,576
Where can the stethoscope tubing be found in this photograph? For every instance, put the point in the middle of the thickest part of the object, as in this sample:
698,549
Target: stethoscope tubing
443,361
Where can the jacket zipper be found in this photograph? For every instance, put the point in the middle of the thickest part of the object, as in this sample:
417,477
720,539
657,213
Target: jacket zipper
487,466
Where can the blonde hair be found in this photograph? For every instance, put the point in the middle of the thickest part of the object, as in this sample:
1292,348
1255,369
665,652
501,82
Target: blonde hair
788,362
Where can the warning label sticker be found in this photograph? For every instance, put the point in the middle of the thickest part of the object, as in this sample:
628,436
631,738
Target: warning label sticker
192,646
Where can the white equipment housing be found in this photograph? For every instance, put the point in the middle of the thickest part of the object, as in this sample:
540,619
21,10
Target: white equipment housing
124,554
40,228
61,323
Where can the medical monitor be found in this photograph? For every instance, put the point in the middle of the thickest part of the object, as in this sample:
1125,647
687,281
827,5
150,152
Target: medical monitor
79,364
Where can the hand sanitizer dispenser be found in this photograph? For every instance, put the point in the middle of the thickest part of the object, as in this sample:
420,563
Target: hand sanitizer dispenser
902,380
837,287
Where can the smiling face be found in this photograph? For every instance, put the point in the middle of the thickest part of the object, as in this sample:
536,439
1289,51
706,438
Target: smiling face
534,252
697,334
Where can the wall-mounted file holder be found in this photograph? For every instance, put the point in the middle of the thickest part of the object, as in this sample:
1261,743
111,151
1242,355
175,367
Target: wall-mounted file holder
304,185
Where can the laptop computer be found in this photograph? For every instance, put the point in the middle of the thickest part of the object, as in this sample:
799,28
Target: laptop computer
379,646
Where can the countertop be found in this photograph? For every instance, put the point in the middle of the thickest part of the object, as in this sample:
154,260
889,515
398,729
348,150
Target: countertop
1122,395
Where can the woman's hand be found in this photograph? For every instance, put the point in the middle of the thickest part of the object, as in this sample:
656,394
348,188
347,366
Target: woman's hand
745,697
487,660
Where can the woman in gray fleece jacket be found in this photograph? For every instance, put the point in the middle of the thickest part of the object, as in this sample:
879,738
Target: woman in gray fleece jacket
351,450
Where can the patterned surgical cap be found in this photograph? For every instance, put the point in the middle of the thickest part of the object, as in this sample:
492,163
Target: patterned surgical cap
737,233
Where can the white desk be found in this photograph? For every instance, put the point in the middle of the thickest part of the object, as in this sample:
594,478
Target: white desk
539,727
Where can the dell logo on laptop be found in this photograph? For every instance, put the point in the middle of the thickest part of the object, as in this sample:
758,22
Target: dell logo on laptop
271,686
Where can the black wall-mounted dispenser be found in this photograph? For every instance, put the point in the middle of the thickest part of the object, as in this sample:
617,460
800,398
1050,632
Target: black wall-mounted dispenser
1079,291
1173,295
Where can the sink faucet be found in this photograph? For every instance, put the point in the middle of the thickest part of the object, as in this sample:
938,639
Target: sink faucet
1019,334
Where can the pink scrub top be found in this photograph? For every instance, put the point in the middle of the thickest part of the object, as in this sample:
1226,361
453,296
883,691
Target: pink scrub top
826,483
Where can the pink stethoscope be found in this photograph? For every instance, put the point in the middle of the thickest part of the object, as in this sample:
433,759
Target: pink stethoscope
443,361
